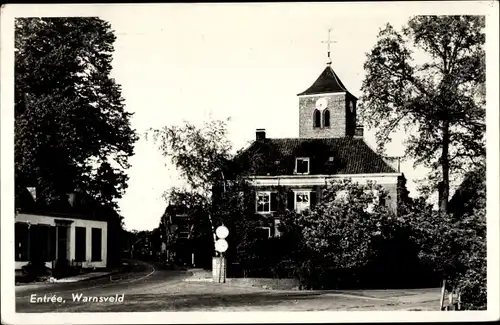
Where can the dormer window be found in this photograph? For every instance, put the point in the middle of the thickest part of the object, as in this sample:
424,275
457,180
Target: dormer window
302,166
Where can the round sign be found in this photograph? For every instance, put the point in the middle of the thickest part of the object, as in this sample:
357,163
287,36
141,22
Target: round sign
221,245
222,232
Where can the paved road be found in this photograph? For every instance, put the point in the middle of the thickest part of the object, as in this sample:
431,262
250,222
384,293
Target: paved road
151,289
141,277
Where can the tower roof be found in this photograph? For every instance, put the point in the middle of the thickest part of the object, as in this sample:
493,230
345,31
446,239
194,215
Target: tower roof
327,82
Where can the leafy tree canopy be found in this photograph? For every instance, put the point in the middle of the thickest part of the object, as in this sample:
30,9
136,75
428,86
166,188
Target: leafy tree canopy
70,121
429,79
340,230
203,157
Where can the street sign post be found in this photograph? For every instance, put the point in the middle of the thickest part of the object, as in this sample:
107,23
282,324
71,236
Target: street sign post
221,246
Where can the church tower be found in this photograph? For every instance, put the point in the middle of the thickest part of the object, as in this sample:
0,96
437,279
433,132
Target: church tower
327,109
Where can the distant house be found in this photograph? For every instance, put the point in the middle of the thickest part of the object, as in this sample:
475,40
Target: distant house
183,241
71,231
330,146
178,230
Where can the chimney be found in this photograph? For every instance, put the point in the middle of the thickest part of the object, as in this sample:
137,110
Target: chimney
260,134
358,133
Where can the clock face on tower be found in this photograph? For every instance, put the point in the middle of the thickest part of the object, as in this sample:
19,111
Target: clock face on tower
321,104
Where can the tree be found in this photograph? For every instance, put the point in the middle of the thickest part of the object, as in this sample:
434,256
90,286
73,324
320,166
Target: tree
430,78
216,191
453,245
70,121
199,154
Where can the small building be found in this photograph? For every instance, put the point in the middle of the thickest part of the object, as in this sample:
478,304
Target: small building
177,232
73,232
186,238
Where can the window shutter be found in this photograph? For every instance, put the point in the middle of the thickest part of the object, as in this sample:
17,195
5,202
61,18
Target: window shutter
290,200
96,244
281,198
80,244
312,165
313,199
251,202
274,201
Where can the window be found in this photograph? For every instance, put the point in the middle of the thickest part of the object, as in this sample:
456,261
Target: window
317,118
267,202
80,244
302,200
45,241
326,118
302,166
96,244
22,241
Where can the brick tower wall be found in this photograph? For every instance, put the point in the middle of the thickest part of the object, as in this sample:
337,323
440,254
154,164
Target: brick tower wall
338,116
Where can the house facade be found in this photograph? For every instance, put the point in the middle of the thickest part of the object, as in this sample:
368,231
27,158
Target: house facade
330,147
60,233
183,242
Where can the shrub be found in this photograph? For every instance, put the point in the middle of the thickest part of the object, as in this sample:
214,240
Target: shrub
34,270
347,237
454,245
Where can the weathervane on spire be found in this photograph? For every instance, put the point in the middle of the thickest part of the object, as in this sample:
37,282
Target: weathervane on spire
328,42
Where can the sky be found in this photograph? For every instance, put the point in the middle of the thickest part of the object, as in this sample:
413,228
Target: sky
193,63
247,62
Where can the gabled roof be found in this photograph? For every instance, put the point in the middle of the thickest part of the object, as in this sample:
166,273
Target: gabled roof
84,207
277,156
327,82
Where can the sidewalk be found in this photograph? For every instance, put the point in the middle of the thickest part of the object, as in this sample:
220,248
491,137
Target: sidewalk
198,275
20,287
86,276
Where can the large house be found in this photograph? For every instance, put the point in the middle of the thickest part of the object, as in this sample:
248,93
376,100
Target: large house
73,232
330,146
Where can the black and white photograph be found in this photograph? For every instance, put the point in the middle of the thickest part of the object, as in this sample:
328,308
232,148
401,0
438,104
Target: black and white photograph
162,162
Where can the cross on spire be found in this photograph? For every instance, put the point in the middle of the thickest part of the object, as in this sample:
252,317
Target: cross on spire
328,42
